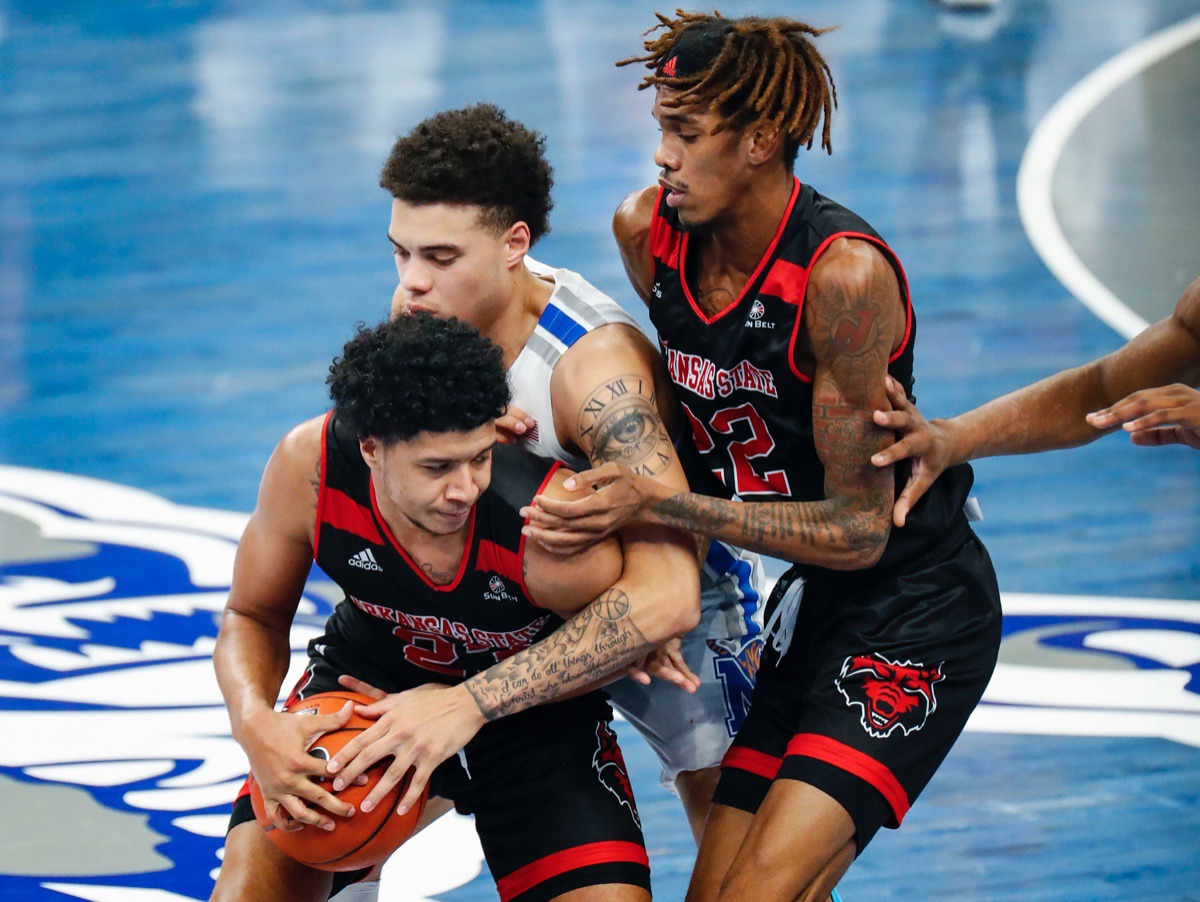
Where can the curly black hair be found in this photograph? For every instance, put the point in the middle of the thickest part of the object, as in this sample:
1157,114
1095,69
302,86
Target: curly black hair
476,156
417,373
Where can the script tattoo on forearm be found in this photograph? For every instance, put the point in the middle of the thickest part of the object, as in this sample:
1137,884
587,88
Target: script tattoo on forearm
781,527
775,520
697,513
597,642
619,421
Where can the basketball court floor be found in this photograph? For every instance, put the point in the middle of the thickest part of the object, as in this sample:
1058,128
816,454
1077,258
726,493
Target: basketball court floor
190,227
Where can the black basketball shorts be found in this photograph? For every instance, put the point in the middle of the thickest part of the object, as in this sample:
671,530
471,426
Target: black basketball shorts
548,787
865,697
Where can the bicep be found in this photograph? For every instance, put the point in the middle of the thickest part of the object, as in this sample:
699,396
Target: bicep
613,388
274,554
854,315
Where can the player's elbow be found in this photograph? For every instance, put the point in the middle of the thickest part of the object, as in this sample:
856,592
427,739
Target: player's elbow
678,608
866,538
688,616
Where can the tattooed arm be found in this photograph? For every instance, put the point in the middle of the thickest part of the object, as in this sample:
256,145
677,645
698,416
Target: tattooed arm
853,318
614,402
609,629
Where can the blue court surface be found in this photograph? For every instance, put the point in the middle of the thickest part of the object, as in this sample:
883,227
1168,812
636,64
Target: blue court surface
190,227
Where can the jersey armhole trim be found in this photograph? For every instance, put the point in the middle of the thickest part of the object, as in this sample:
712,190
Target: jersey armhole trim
524,538
664,238
321,483
896,266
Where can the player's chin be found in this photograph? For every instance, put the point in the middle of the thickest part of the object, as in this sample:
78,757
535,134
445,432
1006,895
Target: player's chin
693,221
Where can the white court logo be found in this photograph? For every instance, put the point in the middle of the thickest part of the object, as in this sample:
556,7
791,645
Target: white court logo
110,600
1087,666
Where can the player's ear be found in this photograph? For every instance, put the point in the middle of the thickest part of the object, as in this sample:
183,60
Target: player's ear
764,140
371,449
517,242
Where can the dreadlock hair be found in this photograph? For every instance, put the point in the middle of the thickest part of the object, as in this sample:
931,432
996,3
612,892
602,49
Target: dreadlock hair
476,156
748,69
417,373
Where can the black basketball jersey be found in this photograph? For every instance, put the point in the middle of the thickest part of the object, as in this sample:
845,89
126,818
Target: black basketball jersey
403,624
748,404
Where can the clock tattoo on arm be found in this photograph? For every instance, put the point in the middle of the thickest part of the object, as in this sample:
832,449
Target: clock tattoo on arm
619,422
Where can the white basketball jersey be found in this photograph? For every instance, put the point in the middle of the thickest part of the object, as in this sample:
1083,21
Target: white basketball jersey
576,307
688,731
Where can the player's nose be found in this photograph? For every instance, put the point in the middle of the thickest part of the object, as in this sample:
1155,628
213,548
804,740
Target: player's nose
462,486
415,277
664,157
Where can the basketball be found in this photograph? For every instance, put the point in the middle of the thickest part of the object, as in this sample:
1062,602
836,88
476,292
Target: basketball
367,837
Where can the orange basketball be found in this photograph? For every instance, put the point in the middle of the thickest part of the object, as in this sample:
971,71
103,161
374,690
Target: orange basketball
366,837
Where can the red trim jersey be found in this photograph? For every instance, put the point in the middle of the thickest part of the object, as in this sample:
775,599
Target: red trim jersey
403,624
747,399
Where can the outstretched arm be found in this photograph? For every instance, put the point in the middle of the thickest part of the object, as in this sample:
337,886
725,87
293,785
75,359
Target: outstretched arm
1067,409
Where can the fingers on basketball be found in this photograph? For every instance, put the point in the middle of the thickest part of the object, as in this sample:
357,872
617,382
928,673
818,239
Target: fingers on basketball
360,840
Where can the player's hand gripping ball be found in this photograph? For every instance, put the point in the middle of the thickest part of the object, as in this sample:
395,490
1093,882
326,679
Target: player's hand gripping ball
367,837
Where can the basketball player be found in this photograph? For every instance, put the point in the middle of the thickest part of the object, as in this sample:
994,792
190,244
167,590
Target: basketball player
780,312
471,191
1132,385
401,496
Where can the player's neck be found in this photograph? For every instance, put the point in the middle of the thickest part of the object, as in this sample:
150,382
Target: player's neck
739,238
519,316
438,555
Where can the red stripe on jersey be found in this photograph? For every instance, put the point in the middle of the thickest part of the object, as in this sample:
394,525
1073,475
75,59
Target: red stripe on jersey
495,558
895,264
520,575
664,238
851,760
340,511
320,484
523,879
758,763
786,281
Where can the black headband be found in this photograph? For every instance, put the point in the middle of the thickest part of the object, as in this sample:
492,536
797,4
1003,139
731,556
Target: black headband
696,48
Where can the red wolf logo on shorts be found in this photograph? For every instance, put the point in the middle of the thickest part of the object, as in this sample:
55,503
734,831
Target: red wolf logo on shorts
890,694
609,764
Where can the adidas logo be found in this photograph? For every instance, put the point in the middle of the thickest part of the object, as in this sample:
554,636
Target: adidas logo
668,68
365,560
